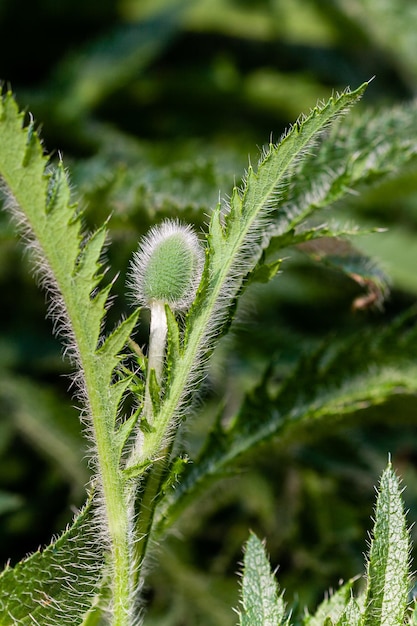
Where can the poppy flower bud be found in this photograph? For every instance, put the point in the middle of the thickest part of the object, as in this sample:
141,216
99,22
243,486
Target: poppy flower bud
167,267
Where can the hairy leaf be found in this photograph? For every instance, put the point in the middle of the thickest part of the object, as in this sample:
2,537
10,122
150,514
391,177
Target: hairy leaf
39,198
236,239
70,264
58,584
335,381
351,616
361,150
332,607
261,604
388,566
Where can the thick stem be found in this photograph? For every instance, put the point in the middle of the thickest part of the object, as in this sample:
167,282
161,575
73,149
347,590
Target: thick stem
117,507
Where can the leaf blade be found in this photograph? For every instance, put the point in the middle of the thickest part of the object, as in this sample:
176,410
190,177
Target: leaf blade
57,585
235,244
388,565
261,604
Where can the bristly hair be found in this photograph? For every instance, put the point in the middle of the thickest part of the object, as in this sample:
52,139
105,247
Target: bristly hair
236,239
69,266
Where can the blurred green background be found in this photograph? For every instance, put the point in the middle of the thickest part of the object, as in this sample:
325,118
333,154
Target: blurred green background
156,106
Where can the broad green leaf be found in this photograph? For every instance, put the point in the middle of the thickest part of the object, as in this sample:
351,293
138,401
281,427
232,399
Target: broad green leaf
388,566
57,585
261,604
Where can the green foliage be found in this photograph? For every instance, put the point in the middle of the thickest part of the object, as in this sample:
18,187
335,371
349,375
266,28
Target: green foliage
51,220
332,381
388,567
234,248
385,600
57,585
313,377
261,604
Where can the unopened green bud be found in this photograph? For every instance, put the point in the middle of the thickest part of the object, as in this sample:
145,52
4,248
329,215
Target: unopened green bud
167,267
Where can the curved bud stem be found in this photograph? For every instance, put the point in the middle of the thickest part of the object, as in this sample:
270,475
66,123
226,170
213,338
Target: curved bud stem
166,270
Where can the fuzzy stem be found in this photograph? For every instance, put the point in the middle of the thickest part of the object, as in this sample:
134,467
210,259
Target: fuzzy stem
151,492
156,354
117,509
157,344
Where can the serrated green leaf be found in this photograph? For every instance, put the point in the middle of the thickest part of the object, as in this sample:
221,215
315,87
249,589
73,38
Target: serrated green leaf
89,257
361,150
118,338
125,430
261,604
351,616
57,585
331,608
333,382
295,236
235,243
388,565
43,197
71,270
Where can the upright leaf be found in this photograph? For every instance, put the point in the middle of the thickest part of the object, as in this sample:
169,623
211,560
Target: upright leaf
70,265
388,566
332,608
236,240
261,604
38,196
